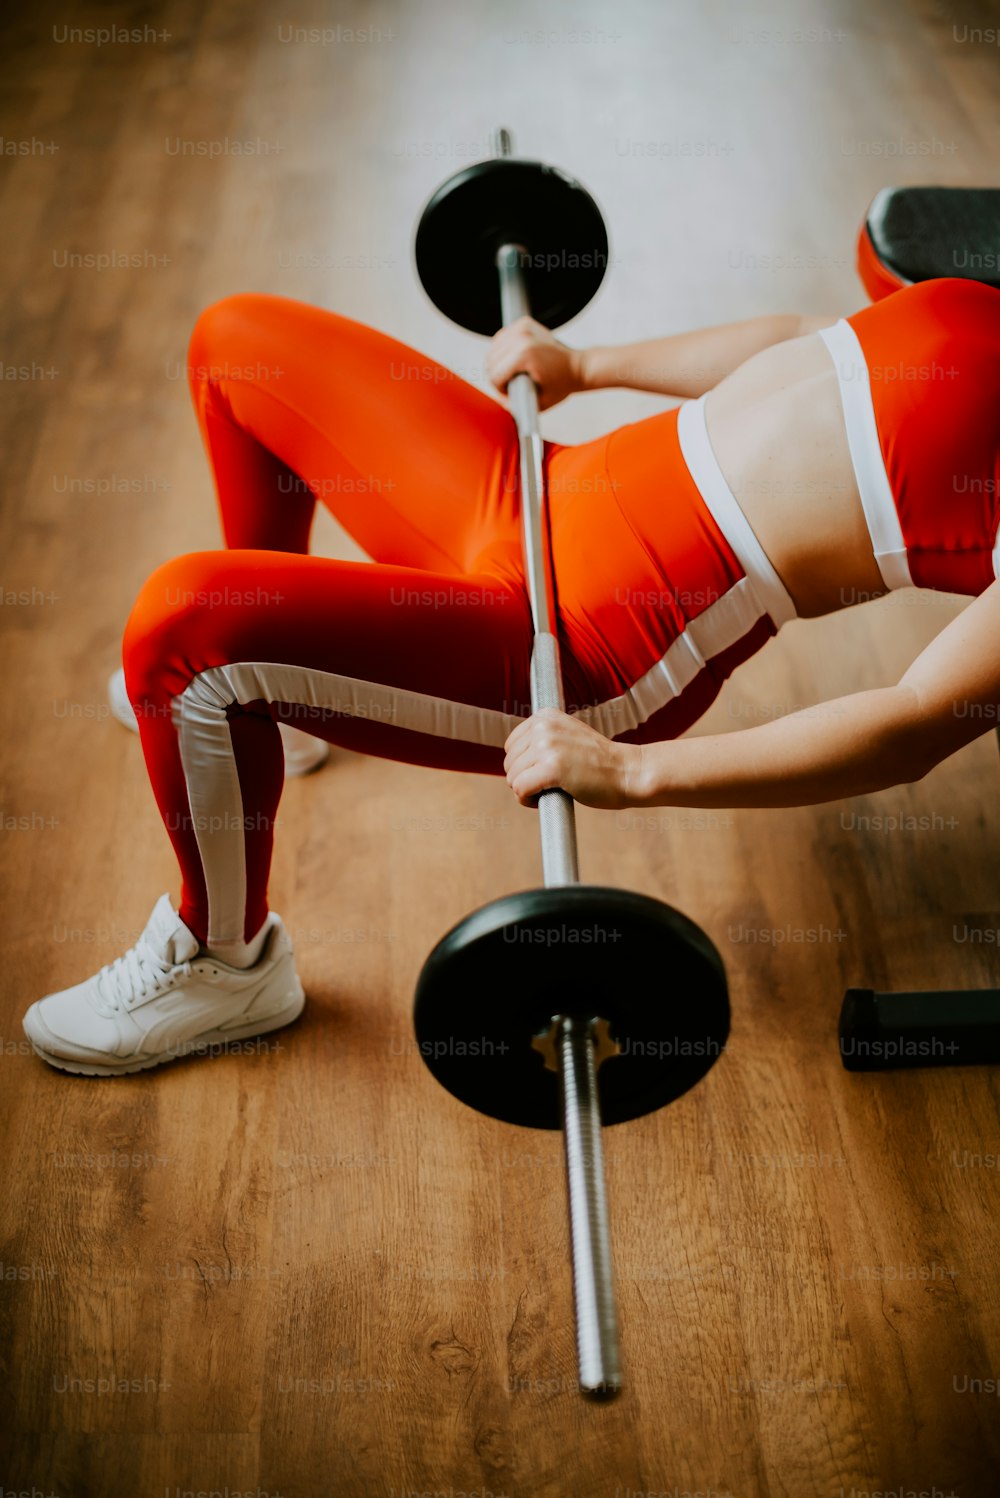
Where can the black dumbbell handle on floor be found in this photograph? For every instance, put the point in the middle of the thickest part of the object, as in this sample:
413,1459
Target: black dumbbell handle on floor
891,1031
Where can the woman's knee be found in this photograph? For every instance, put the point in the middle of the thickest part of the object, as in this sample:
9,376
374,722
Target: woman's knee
170,624
227,335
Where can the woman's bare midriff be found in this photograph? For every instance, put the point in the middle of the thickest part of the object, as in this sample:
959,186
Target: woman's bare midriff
776,426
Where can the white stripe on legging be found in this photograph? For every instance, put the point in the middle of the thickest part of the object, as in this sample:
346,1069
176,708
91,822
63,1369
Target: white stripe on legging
217,811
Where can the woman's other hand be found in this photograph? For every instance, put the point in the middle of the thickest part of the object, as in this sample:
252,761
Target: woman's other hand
552,749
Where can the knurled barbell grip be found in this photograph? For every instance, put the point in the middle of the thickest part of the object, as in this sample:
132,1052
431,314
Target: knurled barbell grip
597,1346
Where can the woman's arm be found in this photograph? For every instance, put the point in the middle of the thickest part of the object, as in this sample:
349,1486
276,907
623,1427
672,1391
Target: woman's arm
688,364
682,364
848,747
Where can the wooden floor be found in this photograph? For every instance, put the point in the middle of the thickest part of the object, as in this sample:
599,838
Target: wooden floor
307,1270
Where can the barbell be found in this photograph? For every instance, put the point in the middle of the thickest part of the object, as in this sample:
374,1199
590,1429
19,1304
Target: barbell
572,1005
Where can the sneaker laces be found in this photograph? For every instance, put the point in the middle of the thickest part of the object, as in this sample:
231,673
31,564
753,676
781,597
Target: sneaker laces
141,969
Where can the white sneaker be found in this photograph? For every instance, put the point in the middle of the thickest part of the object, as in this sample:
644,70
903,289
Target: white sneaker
161,1000
303,751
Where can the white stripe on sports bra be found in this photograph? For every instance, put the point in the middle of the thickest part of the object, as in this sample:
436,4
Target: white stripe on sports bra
866,454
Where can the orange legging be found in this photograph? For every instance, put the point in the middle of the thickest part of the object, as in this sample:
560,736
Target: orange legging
423,653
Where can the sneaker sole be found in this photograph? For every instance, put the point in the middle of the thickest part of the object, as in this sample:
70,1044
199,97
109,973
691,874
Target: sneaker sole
186,1048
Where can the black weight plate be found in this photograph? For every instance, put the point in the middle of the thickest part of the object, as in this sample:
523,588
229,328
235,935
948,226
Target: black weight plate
497,978
508,201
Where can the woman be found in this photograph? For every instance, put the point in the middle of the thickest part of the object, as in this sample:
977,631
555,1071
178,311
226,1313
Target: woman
814,464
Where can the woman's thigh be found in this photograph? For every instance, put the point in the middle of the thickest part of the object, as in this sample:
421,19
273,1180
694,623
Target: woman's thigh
297,403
